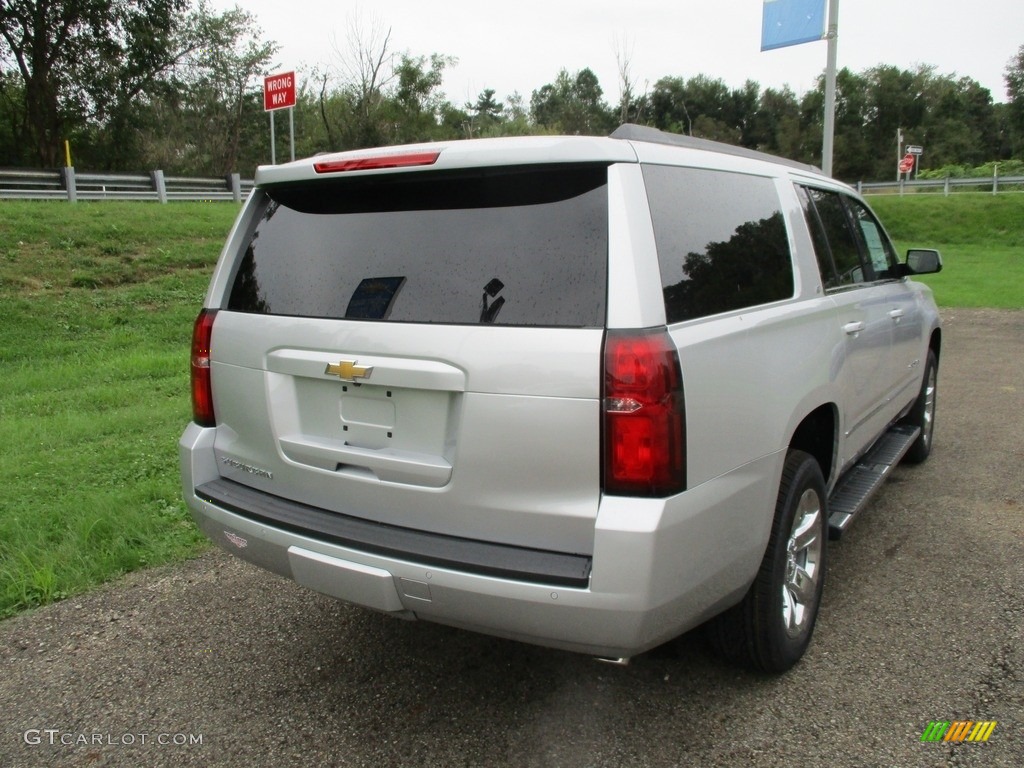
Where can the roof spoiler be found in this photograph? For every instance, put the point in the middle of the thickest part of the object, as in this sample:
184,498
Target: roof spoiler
633,132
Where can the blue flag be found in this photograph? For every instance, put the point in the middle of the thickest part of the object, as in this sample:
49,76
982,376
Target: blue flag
792,22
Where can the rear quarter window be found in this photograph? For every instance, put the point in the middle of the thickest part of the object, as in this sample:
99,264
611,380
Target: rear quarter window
721,239
507,246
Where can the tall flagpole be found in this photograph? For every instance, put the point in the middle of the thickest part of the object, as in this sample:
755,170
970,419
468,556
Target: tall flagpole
830,87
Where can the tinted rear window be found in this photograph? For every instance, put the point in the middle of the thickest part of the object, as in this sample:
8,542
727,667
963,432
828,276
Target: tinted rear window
722,241
511,246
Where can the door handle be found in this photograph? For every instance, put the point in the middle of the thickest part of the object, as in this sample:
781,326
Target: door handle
853,328
896,314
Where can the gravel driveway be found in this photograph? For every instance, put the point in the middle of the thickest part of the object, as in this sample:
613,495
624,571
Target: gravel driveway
212,662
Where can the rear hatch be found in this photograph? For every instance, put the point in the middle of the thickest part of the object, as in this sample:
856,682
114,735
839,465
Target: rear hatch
421,348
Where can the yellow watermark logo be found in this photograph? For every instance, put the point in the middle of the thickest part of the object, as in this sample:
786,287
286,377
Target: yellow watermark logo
958,730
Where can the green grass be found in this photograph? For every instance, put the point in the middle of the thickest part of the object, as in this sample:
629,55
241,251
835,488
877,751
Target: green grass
98,301
981,238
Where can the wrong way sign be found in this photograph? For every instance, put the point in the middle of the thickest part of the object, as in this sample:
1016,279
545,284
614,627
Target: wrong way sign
279,91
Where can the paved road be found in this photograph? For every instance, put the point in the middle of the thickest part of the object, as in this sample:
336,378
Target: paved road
922,621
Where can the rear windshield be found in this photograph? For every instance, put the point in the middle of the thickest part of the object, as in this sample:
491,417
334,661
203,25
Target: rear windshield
509,246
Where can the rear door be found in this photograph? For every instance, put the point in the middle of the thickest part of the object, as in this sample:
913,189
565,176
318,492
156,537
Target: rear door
423,349
862,313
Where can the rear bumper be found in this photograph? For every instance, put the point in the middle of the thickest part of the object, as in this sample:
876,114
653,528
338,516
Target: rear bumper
658,568
428,549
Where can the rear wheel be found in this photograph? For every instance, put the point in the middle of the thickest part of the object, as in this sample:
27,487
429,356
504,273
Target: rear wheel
772,627
922,414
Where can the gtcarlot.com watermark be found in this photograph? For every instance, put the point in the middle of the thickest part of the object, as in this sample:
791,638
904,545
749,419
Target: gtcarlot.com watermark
55,737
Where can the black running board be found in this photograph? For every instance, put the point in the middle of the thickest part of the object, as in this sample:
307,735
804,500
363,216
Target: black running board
855,489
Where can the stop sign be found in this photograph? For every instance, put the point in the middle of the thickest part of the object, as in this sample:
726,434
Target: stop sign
907,164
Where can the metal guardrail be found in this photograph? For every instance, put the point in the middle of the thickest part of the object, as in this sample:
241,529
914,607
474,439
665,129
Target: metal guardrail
994,185
66,184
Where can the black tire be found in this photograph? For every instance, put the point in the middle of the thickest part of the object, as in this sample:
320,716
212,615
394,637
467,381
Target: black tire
922,414
771,628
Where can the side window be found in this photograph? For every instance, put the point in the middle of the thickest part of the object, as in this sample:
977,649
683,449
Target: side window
832,231
721,238
879,249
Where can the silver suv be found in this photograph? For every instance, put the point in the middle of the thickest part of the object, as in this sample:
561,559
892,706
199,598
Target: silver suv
582,392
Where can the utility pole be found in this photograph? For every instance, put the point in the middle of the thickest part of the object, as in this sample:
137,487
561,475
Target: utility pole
899,151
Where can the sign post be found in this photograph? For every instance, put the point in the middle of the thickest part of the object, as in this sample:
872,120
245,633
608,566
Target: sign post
279,93
914,153
792,22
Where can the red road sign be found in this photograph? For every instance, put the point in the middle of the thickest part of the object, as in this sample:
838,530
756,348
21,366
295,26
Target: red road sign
907,164
279,91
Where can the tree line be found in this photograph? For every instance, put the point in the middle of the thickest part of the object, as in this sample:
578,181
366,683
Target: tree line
171,84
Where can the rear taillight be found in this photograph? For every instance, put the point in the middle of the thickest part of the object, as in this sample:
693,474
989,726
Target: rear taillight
644,437
202,388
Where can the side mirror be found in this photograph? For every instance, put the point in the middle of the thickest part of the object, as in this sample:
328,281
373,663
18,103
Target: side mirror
923,261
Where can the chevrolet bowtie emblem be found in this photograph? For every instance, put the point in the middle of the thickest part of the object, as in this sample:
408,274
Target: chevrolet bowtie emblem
347,370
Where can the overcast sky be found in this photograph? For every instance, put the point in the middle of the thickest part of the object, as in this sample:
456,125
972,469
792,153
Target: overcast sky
522,44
